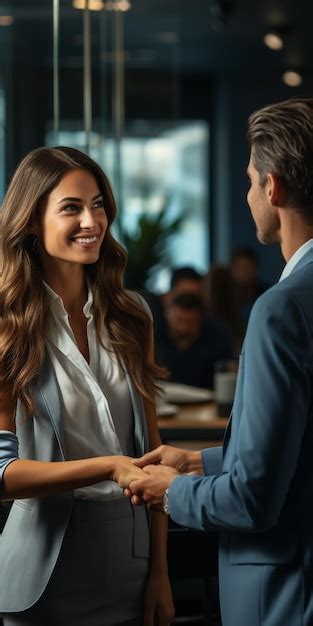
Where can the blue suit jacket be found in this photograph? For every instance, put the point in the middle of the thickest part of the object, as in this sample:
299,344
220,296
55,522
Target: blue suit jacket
258,490
33,534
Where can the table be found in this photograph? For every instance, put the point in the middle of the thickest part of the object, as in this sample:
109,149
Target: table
194,423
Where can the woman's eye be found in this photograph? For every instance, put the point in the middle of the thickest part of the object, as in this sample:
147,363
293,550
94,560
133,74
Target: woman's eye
70,208
99,204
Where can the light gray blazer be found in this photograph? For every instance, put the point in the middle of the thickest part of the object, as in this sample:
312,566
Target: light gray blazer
33,534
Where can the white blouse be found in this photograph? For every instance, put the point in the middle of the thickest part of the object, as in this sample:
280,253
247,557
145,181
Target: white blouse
97,411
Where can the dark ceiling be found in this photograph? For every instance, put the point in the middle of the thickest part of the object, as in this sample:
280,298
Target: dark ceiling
193,36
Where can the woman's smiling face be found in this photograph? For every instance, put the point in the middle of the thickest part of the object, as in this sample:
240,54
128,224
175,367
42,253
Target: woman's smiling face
73,221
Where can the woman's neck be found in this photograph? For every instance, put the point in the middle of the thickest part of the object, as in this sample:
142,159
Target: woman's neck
70,285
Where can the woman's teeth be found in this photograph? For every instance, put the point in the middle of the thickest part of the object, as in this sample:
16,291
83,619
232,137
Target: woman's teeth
86,239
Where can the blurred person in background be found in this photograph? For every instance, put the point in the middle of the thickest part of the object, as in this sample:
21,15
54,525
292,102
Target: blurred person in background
192,342
244,269
221,299
183,280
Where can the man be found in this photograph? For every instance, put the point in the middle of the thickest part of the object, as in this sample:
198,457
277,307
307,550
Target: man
259,490
183,280
192,342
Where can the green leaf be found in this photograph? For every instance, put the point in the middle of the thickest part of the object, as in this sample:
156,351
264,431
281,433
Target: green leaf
147,247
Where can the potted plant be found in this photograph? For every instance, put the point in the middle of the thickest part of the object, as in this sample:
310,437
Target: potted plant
148,247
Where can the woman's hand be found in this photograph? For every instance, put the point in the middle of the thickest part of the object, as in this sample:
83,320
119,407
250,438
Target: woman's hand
124,471
159,607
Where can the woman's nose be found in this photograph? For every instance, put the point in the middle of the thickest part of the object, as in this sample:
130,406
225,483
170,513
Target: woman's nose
87,219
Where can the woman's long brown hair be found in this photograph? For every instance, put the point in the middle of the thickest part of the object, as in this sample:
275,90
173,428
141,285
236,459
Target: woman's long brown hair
24,310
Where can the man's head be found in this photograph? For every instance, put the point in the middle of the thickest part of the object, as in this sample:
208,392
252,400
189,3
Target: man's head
244,265
281,164
184,317
185,280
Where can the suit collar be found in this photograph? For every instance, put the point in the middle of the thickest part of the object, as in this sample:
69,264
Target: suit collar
299,258
304,260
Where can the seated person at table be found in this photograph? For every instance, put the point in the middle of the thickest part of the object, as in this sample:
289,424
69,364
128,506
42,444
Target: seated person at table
244,269
222,302
192,342
183,280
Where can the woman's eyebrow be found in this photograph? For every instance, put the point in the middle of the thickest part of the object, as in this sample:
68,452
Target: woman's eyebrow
73,199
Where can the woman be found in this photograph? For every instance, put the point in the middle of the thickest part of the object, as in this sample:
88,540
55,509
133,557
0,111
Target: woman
77,376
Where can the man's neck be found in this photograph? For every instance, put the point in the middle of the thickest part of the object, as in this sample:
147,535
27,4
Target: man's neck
294,232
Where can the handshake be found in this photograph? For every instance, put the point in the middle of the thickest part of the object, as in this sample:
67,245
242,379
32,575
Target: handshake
144,480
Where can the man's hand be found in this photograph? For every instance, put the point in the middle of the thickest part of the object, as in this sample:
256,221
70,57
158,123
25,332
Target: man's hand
124,471
183,461
151,485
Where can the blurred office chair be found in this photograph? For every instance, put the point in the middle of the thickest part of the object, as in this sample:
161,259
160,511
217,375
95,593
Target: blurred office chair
192,560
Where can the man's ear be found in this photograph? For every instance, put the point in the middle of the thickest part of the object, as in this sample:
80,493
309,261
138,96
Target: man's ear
275,191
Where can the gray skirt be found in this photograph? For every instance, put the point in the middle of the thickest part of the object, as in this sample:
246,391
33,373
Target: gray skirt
101,573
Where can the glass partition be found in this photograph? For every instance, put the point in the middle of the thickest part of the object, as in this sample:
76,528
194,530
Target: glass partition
93,78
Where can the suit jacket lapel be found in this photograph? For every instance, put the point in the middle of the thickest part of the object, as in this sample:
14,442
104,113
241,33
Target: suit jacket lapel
48,400
141,439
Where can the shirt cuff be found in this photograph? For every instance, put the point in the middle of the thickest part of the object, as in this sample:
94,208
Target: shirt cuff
8,450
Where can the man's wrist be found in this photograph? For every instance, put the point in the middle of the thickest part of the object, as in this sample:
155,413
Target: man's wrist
194,462
163,506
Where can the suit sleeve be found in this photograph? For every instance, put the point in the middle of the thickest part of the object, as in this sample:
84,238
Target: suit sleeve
277,393
212,459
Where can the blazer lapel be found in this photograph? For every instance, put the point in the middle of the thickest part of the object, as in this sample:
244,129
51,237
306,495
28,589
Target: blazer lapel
48,401
141,439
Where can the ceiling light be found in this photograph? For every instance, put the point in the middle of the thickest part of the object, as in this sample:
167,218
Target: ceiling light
120,5
6,20
98,5
93,5
274,41
292,79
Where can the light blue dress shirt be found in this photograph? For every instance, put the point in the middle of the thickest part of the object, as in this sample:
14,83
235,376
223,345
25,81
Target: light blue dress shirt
296,258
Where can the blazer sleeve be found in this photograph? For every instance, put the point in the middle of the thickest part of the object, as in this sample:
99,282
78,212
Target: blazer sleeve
277,394
212,459
8,451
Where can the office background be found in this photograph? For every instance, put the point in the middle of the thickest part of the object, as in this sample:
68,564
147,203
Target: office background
158,91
